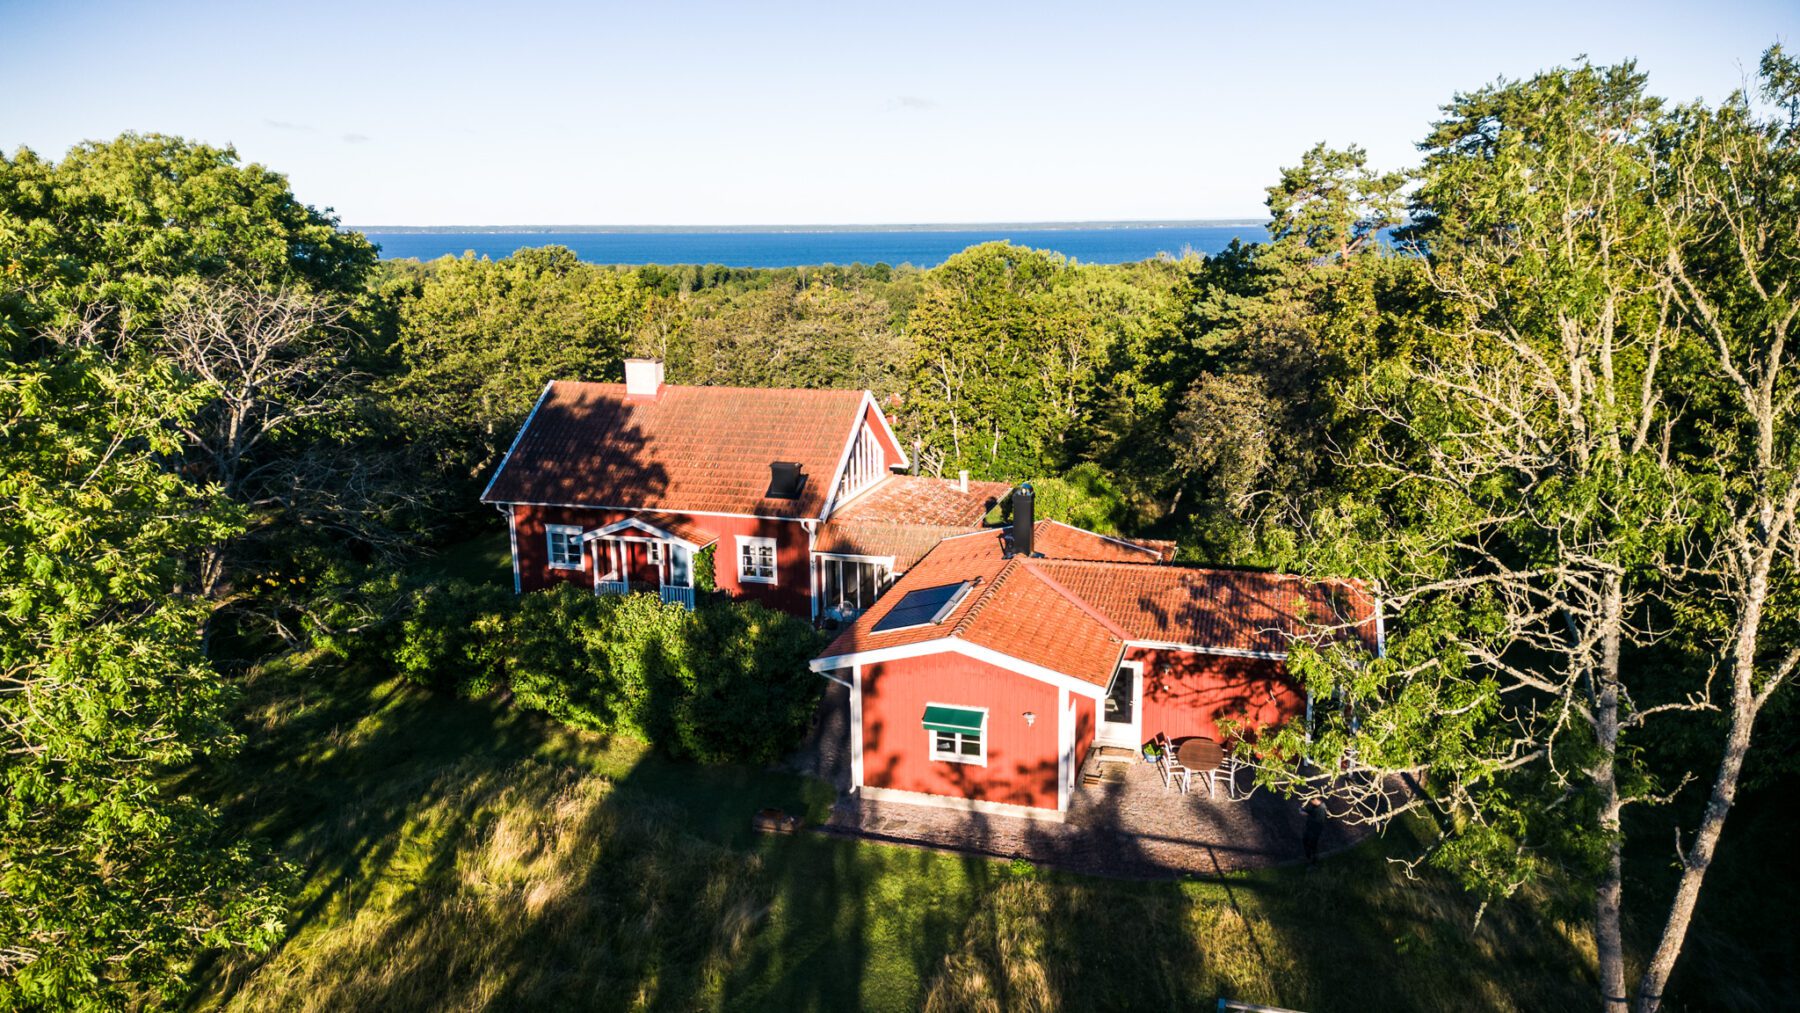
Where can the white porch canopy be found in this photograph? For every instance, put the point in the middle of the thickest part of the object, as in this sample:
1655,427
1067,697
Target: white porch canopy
673,556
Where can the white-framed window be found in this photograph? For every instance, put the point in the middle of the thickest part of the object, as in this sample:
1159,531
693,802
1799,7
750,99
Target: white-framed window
756,560
850,584
957,734
565,546
656,553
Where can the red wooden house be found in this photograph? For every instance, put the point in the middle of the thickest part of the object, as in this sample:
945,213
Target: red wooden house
981,680
620,486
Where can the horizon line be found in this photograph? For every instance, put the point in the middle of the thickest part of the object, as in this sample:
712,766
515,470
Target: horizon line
1039,226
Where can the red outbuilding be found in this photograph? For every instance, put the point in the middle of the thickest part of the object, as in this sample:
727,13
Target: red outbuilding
981,680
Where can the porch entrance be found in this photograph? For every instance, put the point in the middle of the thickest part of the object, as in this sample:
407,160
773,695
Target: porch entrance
629,558
1121,721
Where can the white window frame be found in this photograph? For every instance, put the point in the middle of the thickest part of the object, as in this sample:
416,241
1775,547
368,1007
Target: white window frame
756,542
955,753
884,567
656,552
570,533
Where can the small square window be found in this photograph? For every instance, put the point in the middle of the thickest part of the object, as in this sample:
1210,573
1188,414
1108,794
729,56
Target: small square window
957,734
565,546
756,560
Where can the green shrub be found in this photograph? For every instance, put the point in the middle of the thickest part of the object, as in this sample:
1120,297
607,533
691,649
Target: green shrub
453,636
726,683
745,692
594,661
1085,497
705,572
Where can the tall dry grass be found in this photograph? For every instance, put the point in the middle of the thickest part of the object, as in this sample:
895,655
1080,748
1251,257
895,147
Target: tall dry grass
522,888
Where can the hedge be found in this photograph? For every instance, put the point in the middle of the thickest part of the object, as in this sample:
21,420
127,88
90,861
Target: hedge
727,682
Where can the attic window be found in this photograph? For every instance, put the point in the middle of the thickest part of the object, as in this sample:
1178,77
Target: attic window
785,480
926,606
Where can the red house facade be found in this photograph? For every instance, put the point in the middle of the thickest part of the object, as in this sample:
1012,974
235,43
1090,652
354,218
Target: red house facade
981,680
622,487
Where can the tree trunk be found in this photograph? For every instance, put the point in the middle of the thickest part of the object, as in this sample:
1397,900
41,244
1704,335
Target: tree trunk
1724,791
1609,892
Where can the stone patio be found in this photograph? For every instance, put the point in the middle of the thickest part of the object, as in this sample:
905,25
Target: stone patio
1131,827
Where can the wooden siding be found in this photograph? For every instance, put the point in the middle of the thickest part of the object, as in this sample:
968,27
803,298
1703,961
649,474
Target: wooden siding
1188,694
790,593
1021,759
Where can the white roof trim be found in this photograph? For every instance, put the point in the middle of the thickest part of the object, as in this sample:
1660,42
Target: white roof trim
956,645
535,405
881,416
656,510
1154,553
1229,652
868,405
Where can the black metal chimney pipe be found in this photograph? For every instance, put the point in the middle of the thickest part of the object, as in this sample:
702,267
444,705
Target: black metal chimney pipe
1024,523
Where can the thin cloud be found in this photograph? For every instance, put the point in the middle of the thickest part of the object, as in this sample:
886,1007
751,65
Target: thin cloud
355,138
912,102
285,125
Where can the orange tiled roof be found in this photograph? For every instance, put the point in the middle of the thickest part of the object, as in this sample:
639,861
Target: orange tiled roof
905,516
1010,609
1075,615
705,449
1056,540
1236,610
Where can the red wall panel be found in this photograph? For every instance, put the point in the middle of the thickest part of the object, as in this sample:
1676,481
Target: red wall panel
1188,694
791,592
1021,758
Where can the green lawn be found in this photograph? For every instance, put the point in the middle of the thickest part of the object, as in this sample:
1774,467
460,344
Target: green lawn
461,856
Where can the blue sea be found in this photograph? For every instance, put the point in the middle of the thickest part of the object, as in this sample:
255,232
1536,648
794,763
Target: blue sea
919,247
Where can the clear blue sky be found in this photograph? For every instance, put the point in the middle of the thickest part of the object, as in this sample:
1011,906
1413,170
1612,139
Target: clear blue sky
734,113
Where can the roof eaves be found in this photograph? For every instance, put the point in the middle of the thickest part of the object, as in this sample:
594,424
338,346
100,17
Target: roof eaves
520,435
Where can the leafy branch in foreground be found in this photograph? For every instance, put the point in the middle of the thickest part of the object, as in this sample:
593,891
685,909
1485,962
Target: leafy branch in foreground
1597,451
110,881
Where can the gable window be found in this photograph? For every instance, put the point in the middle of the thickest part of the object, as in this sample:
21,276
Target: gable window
866,466
756,560
957,734
565,546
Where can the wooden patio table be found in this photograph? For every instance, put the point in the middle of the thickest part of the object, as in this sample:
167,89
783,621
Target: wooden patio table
1201,755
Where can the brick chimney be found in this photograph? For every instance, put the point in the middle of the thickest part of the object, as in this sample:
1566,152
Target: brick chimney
643,377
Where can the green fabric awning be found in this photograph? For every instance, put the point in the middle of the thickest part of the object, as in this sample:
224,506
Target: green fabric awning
939,718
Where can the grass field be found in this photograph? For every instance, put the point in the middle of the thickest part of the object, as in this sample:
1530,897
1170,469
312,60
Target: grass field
460,855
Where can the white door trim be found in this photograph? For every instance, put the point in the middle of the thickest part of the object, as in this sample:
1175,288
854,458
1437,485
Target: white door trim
1128,734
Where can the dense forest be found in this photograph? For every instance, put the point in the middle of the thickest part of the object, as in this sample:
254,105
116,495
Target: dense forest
1538,391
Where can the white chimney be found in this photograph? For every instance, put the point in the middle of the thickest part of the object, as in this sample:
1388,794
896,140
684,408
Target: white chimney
962,480
643,377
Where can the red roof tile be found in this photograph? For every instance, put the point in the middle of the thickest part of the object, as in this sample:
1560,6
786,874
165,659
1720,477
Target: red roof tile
921,499
905,516
1010,609
689,449
1074,615
1056,540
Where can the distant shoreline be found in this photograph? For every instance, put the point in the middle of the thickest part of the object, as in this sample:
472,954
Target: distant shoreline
600,230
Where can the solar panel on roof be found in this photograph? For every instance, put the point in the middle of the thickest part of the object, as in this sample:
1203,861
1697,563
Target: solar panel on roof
923,607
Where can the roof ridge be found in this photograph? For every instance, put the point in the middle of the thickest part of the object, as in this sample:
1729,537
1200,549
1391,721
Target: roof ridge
725,387
1114,628
981,600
